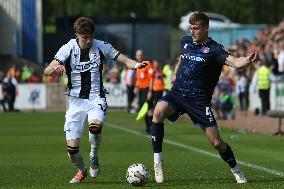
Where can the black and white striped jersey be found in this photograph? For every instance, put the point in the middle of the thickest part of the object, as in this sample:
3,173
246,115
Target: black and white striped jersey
84,67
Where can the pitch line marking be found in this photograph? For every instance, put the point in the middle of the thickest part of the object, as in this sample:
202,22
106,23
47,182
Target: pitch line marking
194,149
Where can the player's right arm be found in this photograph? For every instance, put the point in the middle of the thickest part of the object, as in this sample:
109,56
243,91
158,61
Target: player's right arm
132,64
176,70
54,68
242,62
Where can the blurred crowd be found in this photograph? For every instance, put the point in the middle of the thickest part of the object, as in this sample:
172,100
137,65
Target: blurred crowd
231,93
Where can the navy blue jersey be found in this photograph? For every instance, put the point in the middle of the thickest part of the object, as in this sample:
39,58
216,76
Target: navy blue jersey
200,68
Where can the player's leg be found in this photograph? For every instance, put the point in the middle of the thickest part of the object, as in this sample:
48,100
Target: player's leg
162,110
96,118
76,158
95,139
225,152
73,127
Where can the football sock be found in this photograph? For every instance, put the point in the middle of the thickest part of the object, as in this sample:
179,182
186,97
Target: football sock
158,157
228,156
77,161
157,132
95,141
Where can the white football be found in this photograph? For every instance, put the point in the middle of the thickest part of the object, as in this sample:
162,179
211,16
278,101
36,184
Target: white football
137,174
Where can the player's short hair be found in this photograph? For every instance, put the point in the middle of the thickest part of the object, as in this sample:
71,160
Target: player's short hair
84,25
199,17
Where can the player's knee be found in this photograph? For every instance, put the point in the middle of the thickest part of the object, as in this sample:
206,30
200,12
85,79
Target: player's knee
158,115
95,128
218,144
72,150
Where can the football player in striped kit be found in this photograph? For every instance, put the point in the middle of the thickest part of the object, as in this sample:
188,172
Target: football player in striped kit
81,59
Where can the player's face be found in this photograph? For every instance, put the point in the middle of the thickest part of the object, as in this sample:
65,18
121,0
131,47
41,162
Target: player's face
85,40
199,32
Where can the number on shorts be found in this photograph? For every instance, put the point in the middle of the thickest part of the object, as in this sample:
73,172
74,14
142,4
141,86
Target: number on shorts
208,111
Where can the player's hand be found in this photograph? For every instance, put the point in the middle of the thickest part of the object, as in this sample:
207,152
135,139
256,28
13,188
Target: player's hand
59,69
253,57
141,65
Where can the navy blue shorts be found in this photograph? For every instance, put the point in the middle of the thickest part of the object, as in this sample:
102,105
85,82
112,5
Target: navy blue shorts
199,111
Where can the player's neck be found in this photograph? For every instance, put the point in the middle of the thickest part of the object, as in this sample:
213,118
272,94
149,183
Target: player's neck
203,41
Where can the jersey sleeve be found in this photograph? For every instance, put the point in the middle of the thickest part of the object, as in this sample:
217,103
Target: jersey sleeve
63,53
221,54
110,52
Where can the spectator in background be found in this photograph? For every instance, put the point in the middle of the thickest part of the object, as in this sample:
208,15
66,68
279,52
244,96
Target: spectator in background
281,59
14,72
157,83
129,78
262,79
226,104
113,74
1,76
242,93
13,79
4,99
11,94
27,72
143,80
168,71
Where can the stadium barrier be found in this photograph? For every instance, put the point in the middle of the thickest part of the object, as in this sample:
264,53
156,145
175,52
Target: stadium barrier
51,96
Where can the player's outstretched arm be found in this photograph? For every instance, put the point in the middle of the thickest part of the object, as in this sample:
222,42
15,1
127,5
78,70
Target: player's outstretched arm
54,68
175,71
132,64
242,62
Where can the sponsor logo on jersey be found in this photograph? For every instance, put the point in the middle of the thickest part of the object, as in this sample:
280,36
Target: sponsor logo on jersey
205,49
193,58
84,66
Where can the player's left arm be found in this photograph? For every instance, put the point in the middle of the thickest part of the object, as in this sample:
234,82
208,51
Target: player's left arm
132,64
176,70
242,62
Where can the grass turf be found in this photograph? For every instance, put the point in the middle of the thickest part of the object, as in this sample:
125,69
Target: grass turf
33,154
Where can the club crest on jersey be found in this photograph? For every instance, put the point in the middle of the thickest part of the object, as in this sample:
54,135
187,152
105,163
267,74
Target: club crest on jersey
205,49
93,53
185,45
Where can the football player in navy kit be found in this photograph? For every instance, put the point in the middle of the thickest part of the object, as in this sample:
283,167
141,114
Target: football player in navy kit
82,60
195,77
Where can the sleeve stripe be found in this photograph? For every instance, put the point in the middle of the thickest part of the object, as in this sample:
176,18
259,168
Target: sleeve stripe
58,60
116,56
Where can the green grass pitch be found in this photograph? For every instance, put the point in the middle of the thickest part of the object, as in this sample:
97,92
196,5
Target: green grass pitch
33,154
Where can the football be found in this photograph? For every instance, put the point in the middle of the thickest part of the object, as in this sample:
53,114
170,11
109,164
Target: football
137,174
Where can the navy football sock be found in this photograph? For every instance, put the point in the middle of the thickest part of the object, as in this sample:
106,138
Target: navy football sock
157,132
228,156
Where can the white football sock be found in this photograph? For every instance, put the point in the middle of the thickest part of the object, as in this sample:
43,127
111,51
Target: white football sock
95,141
77,161
236,168
158,158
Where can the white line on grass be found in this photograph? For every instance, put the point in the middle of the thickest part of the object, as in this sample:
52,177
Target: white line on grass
194,149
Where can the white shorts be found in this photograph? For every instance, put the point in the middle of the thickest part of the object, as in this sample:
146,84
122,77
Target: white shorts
77,112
